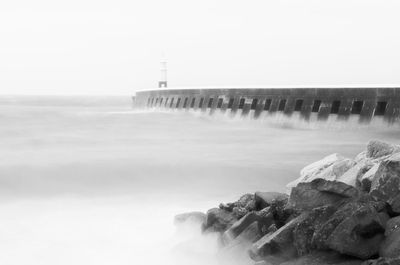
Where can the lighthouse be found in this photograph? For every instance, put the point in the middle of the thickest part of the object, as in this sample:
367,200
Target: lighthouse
163,78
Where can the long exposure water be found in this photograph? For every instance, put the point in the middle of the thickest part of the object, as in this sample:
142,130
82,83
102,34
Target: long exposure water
88,180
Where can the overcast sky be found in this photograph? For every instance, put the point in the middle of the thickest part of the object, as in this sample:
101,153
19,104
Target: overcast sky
114,46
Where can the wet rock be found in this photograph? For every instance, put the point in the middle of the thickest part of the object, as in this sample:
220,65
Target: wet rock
191,217
304,230
377,149
279,242
329,168
238,227
360,234
319,192
386,183
390,247
323,258
218,220
265,199
382,261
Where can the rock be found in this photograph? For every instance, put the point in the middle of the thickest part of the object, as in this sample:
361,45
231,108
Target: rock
382,261
192,217
218,220
369,176
239,226
304,230
377,149
323,258
265,199
390,247
329,168
236,250
279,242
352,176
319,192
241,207
386,183
360,234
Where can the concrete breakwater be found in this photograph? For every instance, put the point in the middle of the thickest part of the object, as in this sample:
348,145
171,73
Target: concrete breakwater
366,102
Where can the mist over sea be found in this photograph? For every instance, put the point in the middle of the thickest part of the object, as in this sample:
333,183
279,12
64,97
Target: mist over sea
89,180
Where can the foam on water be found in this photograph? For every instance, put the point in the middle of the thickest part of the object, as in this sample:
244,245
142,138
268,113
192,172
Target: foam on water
95,182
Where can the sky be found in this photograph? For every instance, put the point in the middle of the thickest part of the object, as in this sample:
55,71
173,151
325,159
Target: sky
100,47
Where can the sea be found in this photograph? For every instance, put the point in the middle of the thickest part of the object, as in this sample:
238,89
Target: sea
91,180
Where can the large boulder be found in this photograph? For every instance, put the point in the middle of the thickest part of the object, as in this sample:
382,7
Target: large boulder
377,149
360,234
352,176
319,192
386,183
236,251
279,242
265,199
304,231
238,227
218,220
329,168
390,247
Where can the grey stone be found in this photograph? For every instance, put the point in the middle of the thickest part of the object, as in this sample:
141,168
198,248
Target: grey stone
390,247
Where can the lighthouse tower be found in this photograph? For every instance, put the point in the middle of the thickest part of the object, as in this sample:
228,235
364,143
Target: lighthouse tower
163,79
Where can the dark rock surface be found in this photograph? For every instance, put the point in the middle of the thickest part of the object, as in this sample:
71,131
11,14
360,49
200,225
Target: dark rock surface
265,199
386,184
390,247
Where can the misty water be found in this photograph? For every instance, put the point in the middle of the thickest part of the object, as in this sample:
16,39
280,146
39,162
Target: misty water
91,181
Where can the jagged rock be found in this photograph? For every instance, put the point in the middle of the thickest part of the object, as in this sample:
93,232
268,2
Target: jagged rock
366,179
354,174
319,192
360,234
323,258
279,242
386,183
218,220
304,230
382,261
390,247
329,168
322,233
236,249
238,227
241,207
377,149
265,199
192,217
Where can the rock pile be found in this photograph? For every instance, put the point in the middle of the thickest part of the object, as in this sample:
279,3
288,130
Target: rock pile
340,211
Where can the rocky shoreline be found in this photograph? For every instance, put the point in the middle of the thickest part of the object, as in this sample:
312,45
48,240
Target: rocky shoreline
340,211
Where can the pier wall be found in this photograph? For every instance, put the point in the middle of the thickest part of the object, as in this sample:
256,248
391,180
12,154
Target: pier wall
343,102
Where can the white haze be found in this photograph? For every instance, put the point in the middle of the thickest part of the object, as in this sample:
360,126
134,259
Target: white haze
114,47
90,181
